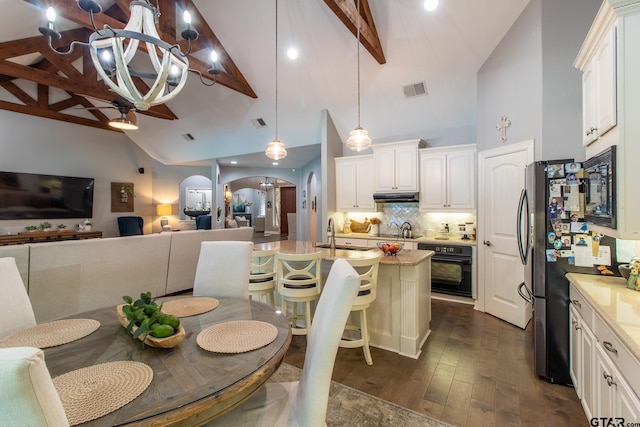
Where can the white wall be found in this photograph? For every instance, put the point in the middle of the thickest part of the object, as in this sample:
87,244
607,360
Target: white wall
530,79
36,145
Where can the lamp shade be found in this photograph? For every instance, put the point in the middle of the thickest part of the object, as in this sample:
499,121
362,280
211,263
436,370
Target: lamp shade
163,210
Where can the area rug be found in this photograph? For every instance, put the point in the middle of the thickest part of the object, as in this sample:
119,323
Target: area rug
350,407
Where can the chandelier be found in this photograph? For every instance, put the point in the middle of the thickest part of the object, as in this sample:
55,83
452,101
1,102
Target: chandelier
275,148
113,50
358,138
266,184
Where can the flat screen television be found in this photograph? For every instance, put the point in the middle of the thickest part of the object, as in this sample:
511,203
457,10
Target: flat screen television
35,196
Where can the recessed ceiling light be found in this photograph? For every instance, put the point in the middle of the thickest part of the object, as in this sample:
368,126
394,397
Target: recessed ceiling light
275,163
233,162
292,52
430,5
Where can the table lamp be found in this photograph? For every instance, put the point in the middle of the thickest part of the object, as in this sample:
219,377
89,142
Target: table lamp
163,211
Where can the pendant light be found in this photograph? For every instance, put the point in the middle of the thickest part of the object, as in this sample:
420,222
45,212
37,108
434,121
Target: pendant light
275,149
358,138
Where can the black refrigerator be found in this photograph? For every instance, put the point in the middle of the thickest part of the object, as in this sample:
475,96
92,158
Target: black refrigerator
551,230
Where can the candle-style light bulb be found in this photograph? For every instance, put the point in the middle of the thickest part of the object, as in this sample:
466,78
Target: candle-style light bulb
187,17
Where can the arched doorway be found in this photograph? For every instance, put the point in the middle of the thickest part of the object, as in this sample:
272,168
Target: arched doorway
312,209
195,195
268,208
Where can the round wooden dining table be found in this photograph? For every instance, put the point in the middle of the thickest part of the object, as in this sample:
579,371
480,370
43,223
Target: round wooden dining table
190,385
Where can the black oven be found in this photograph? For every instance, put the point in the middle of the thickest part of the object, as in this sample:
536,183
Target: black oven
451,268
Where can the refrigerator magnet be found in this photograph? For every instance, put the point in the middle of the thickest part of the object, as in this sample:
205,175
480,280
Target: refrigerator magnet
551,237
557,244
551,255
572,167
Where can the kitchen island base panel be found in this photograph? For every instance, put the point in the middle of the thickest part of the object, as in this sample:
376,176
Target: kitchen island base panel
399,317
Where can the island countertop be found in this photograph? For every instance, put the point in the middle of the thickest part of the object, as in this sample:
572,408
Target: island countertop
454,239
403,258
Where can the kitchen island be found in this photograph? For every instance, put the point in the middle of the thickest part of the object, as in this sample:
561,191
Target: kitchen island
400,315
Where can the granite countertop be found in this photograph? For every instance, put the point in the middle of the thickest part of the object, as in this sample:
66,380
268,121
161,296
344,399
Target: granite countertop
617,306
405,257
453,239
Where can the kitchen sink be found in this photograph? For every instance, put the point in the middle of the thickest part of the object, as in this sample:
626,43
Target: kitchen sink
347,247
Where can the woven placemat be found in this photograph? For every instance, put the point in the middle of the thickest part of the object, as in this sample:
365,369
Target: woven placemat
54,333
98,390
185,307
237,336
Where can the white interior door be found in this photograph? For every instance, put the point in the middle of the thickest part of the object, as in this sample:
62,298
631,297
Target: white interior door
501,179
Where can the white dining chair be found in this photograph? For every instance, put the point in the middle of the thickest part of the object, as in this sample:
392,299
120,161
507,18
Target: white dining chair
368,270
262,280
304,402
28,396
16,312
223,269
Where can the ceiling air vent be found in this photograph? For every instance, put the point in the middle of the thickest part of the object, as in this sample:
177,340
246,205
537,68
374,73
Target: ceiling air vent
416,89
259,123
188,137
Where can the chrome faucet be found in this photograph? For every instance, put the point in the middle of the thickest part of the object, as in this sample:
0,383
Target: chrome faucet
398,227
332,235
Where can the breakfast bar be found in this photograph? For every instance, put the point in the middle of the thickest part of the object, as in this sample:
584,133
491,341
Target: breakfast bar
399,317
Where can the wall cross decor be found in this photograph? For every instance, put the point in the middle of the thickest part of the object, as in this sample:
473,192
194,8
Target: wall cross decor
502,128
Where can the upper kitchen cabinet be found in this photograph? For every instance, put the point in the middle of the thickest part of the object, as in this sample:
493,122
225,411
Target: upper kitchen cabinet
447,178
599,88
354,183
396,166
615,36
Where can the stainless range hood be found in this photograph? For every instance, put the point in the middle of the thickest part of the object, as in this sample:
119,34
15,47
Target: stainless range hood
396,197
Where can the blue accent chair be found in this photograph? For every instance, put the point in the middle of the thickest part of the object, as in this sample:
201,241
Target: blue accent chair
130,225
203,222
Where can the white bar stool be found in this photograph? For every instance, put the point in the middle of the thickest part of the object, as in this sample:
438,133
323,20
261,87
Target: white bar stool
299,279
262,279
368,271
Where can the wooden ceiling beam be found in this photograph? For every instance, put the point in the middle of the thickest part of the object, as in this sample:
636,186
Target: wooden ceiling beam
22,96
43,96
85,82
48,114
347,12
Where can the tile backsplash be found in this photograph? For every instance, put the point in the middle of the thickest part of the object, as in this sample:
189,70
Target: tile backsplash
422,223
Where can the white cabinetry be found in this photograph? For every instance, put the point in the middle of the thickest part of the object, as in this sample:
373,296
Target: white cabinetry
610,60
354,183
582,351
447,178
606,375
396,166
599,89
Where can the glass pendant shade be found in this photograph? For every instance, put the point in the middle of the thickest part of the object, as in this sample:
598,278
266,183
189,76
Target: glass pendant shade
275,150
123,123
358,139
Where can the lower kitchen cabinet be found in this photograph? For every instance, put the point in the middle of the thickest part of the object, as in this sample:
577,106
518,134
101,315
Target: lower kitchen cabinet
582,351
602,368
615,398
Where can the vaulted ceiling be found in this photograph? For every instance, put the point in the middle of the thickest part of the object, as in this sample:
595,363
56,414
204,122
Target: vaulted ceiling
402,45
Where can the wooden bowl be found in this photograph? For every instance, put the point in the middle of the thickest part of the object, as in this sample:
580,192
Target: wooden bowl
168,342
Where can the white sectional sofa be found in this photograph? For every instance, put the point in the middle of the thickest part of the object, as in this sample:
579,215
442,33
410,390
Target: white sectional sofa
68,277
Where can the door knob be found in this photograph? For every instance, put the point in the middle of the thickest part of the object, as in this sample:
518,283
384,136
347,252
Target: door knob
487,243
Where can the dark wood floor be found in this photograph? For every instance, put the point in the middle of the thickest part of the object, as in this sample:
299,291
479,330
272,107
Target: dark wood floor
475,370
